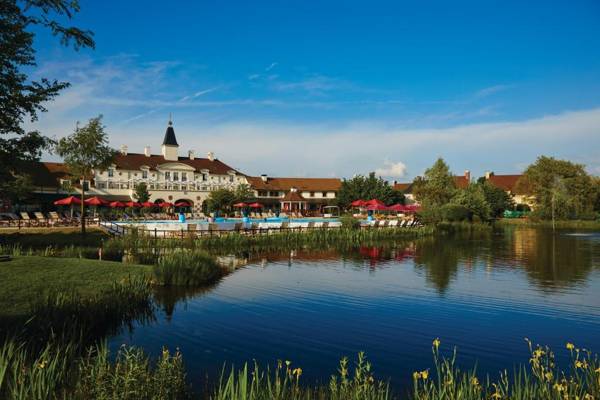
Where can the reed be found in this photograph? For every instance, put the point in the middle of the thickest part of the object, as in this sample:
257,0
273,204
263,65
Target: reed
186,268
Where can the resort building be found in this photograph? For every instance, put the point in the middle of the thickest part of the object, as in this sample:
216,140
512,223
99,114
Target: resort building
461,182
173,178
295,194
509,183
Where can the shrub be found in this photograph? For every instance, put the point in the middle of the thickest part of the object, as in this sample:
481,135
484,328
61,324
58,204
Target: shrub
349,222
186,268
455,212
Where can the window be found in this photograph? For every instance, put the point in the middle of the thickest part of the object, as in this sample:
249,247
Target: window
145,174
262,193
175,176
184,176
204,177
312,194
111,172
273,194
167,176
231,178
324,194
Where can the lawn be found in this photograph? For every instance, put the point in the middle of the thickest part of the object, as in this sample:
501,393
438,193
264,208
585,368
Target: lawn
57,237
25,279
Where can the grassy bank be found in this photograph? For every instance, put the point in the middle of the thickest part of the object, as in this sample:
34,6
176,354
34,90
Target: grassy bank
28,279
58,237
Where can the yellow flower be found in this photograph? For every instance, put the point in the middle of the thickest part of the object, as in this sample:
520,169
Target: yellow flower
549,376
558,387
578,364
436,343
287,363
474,381
496,395
42,365
416,375
297,372
570,346
425,374
597,370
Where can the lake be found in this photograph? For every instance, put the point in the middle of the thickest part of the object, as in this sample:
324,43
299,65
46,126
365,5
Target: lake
483,293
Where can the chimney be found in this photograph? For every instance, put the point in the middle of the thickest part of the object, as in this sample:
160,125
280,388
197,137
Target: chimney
191,154
211,156
264,177
488,174
468,176
293,190
124,149
147,151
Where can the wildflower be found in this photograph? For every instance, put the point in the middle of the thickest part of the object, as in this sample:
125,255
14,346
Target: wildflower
436,343
425,374
549,375
416,375
570,346
288,363
474,381
297,372
559,387
578,364
496,395
597,370
42,364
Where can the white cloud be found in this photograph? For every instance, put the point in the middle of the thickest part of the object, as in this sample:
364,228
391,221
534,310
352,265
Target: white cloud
271,66
491,90
392,170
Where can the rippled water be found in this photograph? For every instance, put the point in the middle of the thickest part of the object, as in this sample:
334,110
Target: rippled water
483,293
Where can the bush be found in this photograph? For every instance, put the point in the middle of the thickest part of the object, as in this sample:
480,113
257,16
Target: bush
349,222
455,212
186,268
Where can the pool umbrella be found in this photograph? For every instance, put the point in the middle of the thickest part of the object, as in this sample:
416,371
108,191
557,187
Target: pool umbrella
375,202
68,201
398,208
148,204
165,204
116,204
182,204
358,203
377,207
413,208
95,201
240,205
255,205
132,204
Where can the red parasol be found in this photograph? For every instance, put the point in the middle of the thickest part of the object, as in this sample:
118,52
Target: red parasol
240,205
132,204
398,208
182,204
358,203
148,204
413,208
255,205
68,201
165,204
375,202
116,204
377,207
95,201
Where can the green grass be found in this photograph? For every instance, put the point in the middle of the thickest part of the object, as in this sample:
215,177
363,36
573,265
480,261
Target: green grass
189,268
566,224
57,237
28,279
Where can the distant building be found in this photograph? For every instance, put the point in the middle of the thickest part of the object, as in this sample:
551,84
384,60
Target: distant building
461,182
508,183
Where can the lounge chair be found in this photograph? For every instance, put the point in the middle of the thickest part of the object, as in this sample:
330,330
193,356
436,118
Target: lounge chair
238,226
310,225
285,225
393,223
213,227
384,224
25,218
40,218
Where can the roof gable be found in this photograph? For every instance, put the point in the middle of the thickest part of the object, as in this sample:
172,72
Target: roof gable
301,184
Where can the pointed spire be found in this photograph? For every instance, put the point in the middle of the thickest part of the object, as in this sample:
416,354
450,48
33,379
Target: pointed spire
170,139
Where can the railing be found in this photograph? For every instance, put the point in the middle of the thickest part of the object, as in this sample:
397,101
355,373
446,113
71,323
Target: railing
47,222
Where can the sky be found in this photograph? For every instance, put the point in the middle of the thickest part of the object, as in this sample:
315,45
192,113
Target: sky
338,88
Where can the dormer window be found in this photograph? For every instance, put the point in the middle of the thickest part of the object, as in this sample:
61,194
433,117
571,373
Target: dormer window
204,177
183,176
111,172
175,176
144,174
231,178
167,176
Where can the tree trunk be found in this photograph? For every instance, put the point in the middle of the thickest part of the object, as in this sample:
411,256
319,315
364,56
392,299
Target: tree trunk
82,207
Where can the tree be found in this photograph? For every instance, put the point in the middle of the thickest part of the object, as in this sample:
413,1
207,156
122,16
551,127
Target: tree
21,98
140,192
472,198
243,193
436,187
18,189
366,188
221,200
84,151
562,183
498,199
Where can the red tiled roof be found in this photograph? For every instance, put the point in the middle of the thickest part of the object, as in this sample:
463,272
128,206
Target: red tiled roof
293,196
302,184
461,182
134,161
403,187
46,174
506,182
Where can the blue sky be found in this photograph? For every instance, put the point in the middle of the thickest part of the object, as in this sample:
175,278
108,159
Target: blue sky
339,88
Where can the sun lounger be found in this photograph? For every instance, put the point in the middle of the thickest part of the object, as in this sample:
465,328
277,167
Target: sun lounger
238,226
325,225
393,223
26,219
384,224
40,219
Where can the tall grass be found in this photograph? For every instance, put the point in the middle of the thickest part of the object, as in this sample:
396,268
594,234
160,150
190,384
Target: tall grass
186,268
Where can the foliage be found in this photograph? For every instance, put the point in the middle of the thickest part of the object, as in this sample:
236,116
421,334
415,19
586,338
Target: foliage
436,187
453,212
86,150
473,199
22,98
221,200
186,268
349,222
243,193
18,188
367,188
559,186
497,199
283,383
140,192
